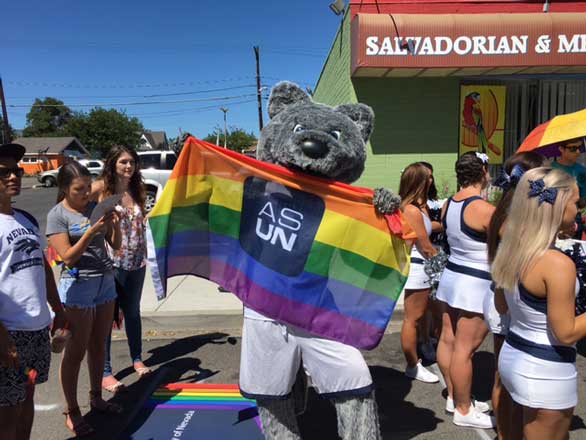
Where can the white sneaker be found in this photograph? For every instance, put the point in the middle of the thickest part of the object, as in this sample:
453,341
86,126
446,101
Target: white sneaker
474,419
419,372
480,406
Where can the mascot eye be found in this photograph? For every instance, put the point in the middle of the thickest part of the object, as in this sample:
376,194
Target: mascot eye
298,128
336,134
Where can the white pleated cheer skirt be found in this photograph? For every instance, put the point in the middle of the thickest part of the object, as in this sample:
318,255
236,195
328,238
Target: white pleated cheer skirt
417,279
462,291
538,383
498,324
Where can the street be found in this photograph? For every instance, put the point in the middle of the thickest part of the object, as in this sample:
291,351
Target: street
188,347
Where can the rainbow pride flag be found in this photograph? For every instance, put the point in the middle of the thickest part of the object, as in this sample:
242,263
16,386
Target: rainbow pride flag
302,250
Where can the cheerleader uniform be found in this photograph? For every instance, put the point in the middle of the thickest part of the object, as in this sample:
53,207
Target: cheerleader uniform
466,278
418,279
497,324
536,369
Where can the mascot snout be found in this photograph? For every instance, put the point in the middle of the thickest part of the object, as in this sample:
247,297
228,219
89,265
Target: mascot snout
314,149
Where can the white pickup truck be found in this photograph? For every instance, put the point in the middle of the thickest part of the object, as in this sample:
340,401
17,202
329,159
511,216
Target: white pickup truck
156,167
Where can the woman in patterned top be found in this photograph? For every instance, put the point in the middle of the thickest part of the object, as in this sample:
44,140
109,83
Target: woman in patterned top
121,175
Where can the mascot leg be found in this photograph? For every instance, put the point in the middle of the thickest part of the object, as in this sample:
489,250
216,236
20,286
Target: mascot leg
357,418
278,419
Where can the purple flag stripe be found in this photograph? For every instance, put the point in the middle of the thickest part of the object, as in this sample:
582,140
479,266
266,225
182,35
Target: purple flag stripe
325,323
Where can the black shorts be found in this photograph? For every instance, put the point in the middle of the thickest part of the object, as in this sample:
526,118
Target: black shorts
34,353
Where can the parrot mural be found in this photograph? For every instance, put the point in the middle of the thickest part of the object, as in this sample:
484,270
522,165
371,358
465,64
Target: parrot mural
472,115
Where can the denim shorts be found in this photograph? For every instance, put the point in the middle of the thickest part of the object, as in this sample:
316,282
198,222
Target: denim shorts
87,292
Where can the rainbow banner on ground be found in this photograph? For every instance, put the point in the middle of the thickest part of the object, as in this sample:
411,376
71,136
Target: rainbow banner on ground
200,396
196,411
302,250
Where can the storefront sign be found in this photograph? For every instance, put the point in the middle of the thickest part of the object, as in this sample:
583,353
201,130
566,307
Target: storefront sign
479,40
482,120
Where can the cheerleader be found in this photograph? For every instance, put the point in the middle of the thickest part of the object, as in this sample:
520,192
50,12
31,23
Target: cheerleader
507,414
413,188
537,361
462,289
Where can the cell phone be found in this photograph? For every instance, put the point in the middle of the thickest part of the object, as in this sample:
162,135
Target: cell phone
104,207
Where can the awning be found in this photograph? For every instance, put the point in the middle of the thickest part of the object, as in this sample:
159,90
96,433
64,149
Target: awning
467,44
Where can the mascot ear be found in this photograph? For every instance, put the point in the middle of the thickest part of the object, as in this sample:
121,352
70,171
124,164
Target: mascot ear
362,115
283,95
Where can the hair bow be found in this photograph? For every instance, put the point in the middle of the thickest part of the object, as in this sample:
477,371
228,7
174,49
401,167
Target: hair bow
537,188
506,181
482,156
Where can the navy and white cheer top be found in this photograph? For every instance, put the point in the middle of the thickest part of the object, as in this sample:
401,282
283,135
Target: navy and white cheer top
466,278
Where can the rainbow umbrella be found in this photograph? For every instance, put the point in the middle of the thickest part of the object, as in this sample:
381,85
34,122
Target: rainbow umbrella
546,137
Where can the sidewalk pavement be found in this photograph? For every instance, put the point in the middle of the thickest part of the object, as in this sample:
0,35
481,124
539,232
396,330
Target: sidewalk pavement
195,306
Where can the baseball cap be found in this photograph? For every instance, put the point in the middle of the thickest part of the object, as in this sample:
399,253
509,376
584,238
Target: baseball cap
16,151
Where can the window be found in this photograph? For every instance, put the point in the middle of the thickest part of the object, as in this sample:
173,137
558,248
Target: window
150,161
93,165
29,160
170,161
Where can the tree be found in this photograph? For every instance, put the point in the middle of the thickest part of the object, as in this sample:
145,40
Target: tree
101,129
238,138
47,121
10,132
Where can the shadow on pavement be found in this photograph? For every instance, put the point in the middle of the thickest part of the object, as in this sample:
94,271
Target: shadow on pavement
169,365
399,418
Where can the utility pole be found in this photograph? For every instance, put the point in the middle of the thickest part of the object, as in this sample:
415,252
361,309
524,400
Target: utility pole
258,87
225,110
6,131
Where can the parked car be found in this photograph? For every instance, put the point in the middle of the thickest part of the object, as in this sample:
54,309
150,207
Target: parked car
156,167
49,178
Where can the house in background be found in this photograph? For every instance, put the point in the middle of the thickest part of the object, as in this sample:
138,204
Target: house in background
49,153
153,140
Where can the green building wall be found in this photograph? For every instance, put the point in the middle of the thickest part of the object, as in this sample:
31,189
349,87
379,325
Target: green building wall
416,118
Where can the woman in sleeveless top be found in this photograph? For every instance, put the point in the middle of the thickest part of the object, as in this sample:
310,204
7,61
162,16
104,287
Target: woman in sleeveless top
537,361
122,175
462,289
413,188
508,415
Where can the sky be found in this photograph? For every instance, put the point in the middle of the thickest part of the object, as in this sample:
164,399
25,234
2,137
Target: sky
116,53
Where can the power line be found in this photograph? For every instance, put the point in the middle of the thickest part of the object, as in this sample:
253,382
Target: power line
141,96
195,110
179,111
132,85
141,85
123,104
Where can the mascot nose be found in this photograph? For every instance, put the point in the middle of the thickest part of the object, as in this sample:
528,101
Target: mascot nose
314,149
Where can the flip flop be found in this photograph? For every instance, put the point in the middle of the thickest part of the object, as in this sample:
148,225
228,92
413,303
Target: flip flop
115,388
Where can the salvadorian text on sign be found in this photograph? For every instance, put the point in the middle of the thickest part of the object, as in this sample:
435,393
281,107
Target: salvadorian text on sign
474,45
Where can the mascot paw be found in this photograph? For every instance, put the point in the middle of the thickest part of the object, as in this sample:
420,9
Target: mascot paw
386,201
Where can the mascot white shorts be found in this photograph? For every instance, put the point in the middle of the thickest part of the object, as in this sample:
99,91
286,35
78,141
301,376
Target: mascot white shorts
272,353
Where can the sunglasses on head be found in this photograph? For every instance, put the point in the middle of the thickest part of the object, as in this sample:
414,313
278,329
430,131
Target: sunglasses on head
5,173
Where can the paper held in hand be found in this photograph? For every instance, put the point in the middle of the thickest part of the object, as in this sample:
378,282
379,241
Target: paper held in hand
104,207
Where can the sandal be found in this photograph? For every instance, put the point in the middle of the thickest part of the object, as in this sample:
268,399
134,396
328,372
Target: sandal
81,428
115,388
143,371
103,407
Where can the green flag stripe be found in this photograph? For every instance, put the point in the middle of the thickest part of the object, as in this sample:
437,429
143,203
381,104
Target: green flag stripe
323,260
